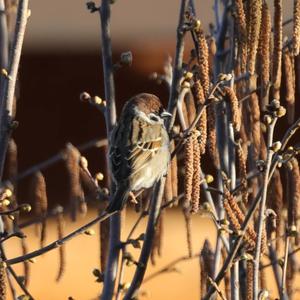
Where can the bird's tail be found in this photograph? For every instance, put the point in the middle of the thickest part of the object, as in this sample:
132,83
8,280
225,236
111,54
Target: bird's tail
118,200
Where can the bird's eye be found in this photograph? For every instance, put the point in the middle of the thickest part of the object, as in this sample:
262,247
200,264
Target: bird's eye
153,118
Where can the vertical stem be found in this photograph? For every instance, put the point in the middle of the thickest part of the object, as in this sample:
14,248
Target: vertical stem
9,82
110,119
262,208
177,70
3,38
149,235
283,294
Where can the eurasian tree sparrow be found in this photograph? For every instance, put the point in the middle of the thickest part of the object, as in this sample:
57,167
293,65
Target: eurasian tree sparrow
139,148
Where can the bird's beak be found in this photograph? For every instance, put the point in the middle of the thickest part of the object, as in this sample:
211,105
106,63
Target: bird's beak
165,114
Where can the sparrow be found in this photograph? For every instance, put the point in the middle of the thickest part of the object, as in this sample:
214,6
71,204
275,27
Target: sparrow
139,151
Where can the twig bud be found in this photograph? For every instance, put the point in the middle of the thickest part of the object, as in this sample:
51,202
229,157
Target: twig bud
276,146
126,58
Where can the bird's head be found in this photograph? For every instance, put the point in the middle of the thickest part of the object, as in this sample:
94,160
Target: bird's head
147,107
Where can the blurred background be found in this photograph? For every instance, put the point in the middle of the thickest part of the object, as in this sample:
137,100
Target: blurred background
61,59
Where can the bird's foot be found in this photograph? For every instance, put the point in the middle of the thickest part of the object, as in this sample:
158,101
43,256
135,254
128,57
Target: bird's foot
133,198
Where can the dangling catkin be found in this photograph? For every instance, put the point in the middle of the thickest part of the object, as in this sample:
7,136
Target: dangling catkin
11,161
39,197
26,263
212,135
234,107
62,249
264,54
277,52
202,56
190,107
212,49
188,171
250,279
255,123
289,77
296,33
294,192
275,202
196,174
2,281
240,20
202,124
187,219
255,20
243,172
237,217
75,190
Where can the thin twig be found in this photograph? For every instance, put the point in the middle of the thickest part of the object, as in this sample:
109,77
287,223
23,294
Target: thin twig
59,242
284,269
261,218
169,266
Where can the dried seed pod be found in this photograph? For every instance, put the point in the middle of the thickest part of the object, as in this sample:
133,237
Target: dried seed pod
255,21
157,242
198,94
38,194
62,249
296,33
264,54
196,174
76,196
277,52
187,219
188,170
234,107
289,77
2,281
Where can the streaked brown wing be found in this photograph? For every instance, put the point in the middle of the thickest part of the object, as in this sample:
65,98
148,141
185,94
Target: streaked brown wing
132,148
